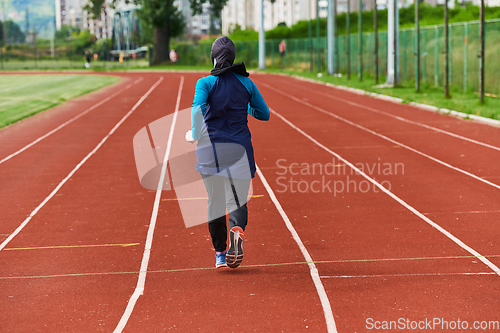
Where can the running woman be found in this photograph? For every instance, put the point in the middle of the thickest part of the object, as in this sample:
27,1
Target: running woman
224,151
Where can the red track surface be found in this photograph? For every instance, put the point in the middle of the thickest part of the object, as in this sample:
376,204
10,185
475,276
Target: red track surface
375,257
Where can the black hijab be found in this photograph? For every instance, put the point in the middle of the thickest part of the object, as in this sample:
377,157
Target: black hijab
223,54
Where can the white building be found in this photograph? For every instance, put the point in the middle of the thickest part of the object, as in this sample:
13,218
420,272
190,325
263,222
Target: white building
70,12
103,27
197,24
246,13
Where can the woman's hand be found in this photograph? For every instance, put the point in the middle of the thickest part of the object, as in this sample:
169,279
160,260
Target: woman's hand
189,137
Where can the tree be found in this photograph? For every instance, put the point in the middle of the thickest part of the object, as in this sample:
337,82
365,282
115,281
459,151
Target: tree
161,16
13,33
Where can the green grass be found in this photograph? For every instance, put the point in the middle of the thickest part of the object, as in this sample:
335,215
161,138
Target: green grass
22,96
467,102
63,64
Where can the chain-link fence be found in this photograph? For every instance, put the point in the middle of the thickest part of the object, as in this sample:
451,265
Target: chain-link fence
302,54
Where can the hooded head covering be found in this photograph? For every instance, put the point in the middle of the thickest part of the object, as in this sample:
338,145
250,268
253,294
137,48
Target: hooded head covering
223,54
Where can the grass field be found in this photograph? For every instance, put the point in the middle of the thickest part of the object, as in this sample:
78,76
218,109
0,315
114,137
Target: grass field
24,95
31,64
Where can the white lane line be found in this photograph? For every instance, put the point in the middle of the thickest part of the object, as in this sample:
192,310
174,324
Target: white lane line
403,275
392,195
369,108
384,137
325,303
53,193
469,212
139,289
69,121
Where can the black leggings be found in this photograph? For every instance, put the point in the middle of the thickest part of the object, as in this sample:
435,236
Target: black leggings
225,193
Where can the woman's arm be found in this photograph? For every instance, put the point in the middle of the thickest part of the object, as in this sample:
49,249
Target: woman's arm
257,107
199,106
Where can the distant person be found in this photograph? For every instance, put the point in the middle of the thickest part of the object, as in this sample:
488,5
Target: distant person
221,105
88,58
282,48
173,56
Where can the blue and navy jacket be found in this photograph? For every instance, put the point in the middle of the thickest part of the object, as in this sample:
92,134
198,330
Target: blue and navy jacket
219,116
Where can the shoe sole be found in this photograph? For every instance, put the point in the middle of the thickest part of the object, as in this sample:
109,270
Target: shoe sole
234,255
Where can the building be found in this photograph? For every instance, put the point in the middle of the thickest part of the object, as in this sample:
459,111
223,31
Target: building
103,27
70,12
196,25
246,13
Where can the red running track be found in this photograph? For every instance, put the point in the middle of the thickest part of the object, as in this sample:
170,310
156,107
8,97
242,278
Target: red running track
425,248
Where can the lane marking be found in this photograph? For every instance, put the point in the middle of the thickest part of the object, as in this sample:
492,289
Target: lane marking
58,187
403,275
408,121
194,269
69,246
139,289
206,198
69,121
470,212
384,137
325,303
395,197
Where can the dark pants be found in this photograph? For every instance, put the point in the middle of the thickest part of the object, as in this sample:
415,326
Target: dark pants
225,193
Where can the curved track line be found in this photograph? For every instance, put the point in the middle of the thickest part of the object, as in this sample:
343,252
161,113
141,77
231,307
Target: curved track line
383,137
369,108
139,289
69,121
58,187
395,197
325,303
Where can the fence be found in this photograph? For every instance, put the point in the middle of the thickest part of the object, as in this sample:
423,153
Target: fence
302,54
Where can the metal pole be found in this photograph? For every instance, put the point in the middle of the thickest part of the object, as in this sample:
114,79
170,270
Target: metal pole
396,67
262,39
318,37
360,39
375,28
481,62
405,56
436,57
466,56
446,53
336,38
417,31
331,38
309,31
348,39
424,58
450,54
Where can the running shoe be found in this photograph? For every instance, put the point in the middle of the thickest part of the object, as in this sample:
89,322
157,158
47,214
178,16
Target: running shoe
220,259
234,255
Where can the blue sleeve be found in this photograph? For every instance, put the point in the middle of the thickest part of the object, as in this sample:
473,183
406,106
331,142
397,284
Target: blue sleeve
257,107
203,88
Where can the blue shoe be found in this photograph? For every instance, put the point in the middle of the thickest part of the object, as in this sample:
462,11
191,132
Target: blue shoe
235,253
220,259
